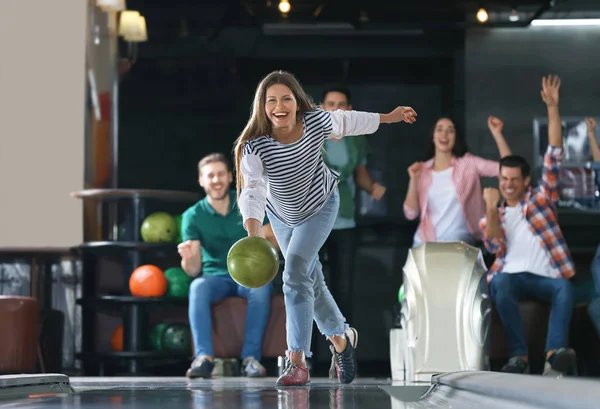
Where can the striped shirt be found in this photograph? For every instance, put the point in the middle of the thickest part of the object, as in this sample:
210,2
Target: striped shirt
539,208
291,180
466,175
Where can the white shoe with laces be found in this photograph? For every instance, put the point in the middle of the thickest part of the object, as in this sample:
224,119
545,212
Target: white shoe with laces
253,369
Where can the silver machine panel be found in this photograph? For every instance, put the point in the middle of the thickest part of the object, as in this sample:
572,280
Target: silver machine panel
446,313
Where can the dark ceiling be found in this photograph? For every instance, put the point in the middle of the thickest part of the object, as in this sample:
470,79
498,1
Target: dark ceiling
201,50
193,17
193,28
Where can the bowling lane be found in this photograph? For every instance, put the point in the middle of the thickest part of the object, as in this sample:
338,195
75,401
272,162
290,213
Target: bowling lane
179,393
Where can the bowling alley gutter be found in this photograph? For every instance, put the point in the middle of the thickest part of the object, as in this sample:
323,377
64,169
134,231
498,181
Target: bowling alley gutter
538,391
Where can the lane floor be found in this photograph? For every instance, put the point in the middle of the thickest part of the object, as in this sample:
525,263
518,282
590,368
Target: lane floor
244,393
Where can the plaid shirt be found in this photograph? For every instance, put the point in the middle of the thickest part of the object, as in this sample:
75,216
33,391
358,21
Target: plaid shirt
539,208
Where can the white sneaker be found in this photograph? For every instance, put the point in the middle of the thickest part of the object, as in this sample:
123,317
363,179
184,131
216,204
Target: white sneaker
253,369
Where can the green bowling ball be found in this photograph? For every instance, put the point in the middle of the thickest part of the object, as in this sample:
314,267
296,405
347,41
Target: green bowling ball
177,338
401,293
253,262
159,227
156,335
178,282
178,218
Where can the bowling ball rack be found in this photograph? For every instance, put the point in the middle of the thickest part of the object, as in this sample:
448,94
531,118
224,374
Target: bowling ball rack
123,211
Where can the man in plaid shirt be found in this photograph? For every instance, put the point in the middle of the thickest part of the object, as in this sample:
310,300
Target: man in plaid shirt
532,258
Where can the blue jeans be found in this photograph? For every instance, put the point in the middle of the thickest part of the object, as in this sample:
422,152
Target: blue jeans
305,292
594,306
206,290
507,289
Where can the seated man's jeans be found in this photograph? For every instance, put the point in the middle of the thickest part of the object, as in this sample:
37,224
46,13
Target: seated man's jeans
594,307
507,289
207,290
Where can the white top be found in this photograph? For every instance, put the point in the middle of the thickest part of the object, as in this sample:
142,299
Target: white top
524,251
292,180
444,209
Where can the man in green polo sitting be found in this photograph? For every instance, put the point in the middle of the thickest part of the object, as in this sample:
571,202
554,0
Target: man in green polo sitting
209,229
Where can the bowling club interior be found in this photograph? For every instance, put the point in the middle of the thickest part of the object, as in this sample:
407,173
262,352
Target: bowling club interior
136,92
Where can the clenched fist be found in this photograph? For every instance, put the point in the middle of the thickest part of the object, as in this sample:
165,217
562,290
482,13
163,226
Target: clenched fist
491,196
495,125
591,125
185,249
414,170
378,191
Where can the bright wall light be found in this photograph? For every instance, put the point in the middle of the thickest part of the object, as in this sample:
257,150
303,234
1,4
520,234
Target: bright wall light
567,22
139,33
284,6
128,20
132,26
482,15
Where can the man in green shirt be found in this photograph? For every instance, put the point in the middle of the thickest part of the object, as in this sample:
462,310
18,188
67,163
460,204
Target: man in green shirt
348,156
209,229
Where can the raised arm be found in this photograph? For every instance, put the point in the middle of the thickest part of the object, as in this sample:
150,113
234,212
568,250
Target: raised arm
486,167
347,123
495,125
253,197
553,158
591,133
549,92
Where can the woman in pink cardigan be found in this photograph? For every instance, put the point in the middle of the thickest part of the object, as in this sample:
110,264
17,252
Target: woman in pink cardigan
445,191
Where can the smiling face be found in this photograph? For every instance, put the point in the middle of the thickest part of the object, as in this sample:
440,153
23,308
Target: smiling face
512,184
281,106
444,135
216,180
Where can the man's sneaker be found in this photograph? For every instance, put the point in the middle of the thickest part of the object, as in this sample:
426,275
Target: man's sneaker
252,368
562,362
293,375
516,365
352,337
201,368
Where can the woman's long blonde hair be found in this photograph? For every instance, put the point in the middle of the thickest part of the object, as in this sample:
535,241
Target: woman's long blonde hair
259,124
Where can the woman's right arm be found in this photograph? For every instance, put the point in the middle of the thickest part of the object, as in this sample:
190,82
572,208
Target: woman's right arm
253,197
348,123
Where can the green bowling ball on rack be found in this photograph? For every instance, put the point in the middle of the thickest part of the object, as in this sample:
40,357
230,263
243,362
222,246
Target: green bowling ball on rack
177,338
155,338
178,282
178,218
